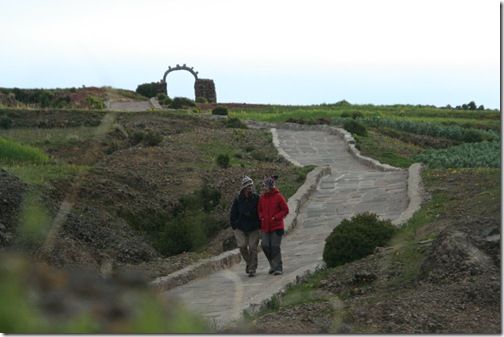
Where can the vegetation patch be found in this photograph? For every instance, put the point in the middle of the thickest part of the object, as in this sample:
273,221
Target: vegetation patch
356,238
13,152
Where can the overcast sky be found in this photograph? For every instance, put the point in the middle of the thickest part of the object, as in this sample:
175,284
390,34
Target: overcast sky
434,52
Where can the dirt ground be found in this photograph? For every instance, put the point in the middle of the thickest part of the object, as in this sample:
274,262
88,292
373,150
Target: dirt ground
456,289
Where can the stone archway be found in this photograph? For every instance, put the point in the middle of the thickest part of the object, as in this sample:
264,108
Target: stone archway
202,87
178,67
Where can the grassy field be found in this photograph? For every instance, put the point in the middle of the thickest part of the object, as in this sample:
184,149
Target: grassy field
400,135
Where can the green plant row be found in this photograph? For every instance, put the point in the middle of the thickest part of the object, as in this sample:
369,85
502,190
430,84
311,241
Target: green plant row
429,129
484,154
277,113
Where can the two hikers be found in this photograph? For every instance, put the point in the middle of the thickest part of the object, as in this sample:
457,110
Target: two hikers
255,217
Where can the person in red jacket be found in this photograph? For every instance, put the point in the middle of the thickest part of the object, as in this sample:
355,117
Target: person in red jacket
272,209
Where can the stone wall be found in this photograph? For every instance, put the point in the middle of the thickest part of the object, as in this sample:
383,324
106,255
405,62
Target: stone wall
159,87
205,88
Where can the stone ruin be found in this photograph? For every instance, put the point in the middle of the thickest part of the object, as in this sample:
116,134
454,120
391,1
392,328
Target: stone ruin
202,87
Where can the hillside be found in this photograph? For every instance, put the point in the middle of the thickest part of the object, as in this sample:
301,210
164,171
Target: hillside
123,186
443,277
116,180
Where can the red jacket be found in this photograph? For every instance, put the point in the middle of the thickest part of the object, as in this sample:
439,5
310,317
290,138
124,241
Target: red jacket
272,209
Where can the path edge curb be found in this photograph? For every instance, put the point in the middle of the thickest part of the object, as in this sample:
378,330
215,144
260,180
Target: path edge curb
230,258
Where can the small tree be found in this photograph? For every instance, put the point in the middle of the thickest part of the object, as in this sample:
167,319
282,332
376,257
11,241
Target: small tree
471,105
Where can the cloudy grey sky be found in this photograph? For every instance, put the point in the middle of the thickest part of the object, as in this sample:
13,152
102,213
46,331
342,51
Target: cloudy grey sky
434,52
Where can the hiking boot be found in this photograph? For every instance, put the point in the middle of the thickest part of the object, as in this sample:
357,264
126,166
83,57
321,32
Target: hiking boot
246,269
271,271
251,273
277,272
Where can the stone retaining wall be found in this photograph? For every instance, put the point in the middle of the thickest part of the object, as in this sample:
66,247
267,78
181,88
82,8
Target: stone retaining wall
232,257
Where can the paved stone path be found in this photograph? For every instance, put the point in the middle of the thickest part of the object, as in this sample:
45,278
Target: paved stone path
127,105
350,188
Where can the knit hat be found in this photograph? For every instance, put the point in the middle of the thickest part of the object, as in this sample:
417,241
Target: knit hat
270,181
246,181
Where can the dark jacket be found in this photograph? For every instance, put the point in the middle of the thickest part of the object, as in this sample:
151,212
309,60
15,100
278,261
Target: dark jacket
272,210
244,212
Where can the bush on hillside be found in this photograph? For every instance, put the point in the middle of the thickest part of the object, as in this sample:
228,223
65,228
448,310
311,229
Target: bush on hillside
167,101
95,103
5,123
188,231
182,103
161,97
147,89
149,138
355,127
234,122
356,238
220,110
45,98
205,198
472,136
223,160
357,114
188,227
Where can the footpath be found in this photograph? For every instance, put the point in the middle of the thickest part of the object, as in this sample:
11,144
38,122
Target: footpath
343,184
128,105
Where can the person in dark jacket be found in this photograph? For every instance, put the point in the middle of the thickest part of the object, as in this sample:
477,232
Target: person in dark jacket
272,210
246,225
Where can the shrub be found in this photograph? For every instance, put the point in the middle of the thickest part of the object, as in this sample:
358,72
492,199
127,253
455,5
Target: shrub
188,227
220,110
5,123
147,89
356,238
223,160
205,198
188,231
167,101
153,138
202,100
182,103
355,127
249,148
150,138
161,97
61,102
94,102
136,137
357,114
234,122
45,98
472,136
